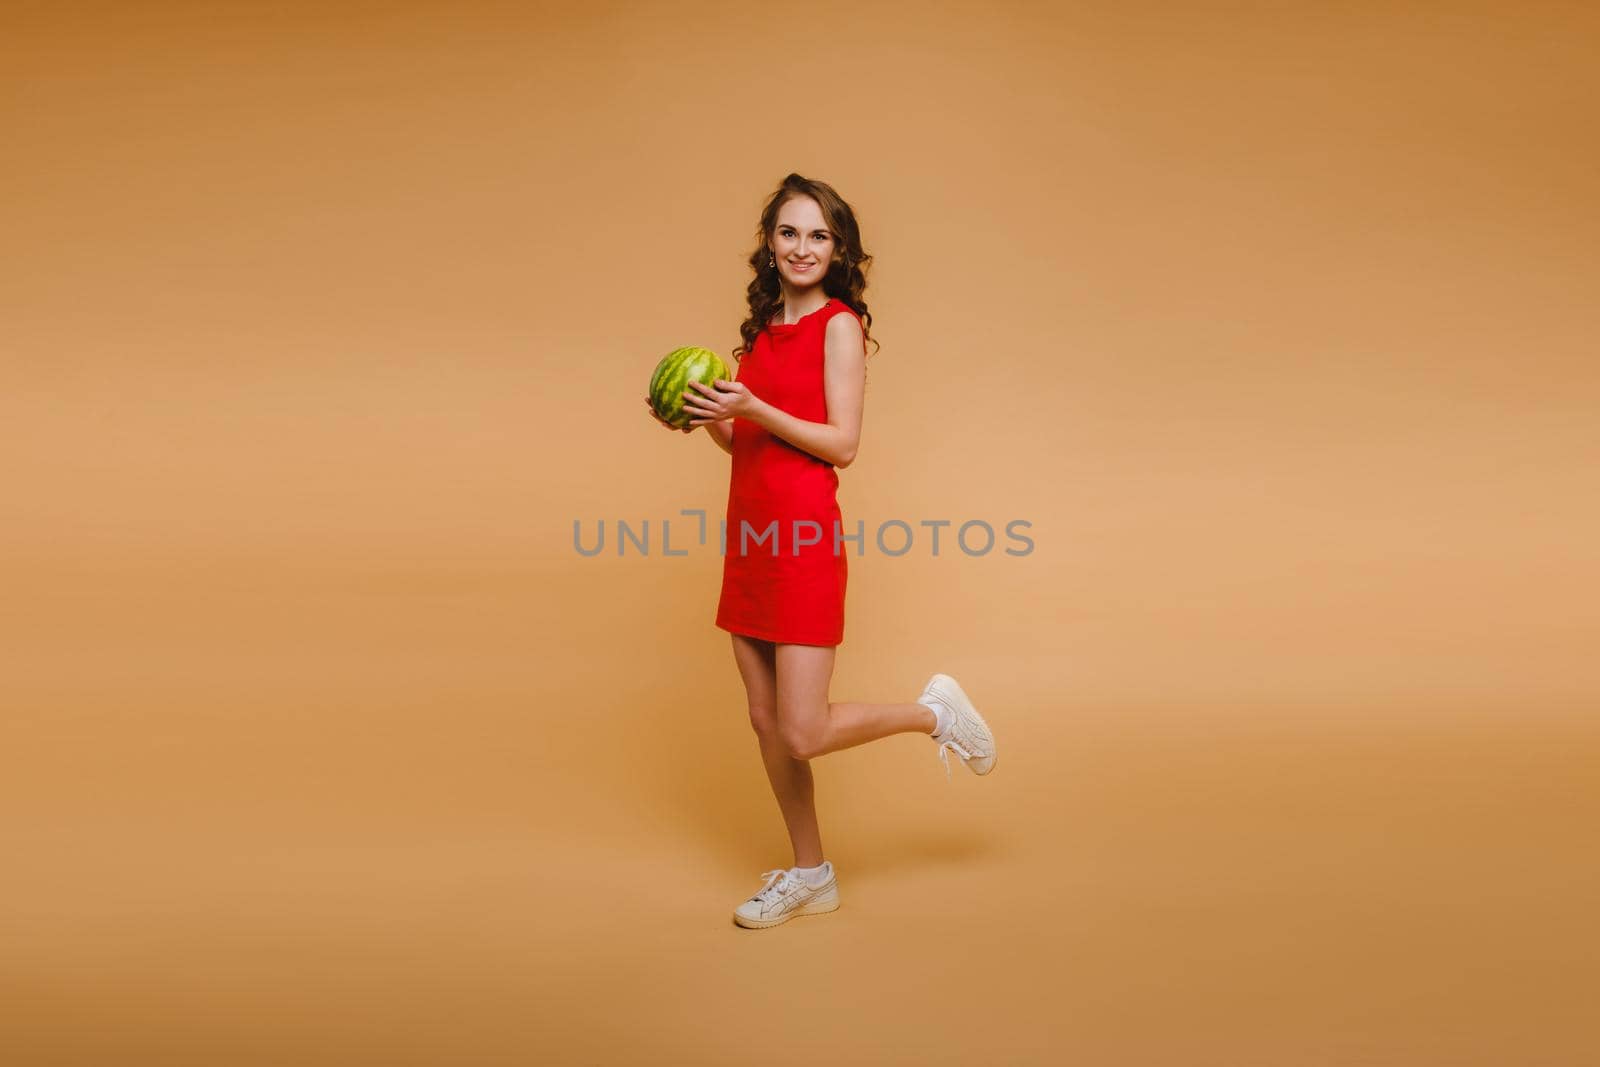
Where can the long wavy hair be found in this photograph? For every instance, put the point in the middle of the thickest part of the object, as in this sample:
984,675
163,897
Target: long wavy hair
845,279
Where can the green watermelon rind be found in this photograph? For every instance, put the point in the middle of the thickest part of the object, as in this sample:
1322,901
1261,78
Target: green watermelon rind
671,378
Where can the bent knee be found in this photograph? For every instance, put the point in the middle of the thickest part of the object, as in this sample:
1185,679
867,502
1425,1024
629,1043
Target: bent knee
802,742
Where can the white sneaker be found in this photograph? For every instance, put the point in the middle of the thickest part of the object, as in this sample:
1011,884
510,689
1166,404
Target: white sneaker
786,895
966,733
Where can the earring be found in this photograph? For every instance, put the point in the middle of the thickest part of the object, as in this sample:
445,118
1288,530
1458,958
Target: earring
771,262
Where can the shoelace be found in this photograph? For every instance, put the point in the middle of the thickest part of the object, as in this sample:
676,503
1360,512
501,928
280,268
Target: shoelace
944,754
950,742
778,883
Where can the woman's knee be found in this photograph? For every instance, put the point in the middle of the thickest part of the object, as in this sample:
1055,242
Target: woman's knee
800,736
764,721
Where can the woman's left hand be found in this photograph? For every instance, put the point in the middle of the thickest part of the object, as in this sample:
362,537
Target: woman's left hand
718,401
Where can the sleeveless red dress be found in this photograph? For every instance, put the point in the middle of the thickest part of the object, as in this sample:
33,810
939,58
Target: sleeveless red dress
781,579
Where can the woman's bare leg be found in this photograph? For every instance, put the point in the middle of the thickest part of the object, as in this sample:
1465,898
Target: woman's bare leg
812,727
791,778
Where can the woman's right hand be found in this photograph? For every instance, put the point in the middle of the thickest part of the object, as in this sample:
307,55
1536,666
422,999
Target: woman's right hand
664,422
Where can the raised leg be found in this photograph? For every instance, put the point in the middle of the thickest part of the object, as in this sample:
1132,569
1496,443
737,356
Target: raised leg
811,726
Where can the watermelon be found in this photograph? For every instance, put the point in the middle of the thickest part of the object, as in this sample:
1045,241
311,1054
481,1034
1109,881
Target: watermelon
672,377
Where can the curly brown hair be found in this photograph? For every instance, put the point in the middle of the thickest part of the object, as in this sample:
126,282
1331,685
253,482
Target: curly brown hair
845,278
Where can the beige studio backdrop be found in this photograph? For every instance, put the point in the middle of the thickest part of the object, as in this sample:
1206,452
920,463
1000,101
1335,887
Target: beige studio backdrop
322,324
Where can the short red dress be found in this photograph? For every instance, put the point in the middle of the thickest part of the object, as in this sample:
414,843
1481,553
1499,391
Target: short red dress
782,580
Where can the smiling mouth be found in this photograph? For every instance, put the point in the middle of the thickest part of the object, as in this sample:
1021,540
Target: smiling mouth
802,266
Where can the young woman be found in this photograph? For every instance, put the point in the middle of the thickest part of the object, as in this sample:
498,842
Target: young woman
790,418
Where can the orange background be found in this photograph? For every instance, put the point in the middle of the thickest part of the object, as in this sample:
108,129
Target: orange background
321,324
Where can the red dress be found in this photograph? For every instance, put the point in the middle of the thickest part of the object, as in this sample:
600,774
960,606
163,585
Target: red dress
781,578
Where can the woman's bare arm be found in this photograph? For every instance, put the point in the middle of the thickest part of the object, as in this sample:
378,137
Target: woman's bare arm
721,432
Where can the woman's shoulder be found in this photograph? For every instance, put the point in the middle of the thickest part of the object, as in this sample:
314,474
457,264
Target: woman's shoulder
843,318
844,336
844,306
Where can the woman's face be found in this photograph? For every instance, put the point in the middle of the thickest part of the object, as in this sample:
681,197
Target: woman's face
801,242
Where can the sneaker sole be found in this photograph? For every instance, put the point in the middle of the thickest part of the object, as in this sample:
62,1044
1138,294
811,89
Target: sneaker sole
949,690
824,902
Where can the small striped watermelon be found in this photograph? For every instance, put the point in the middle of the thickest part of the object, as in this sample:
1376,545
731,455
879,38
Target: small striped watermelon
673,375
